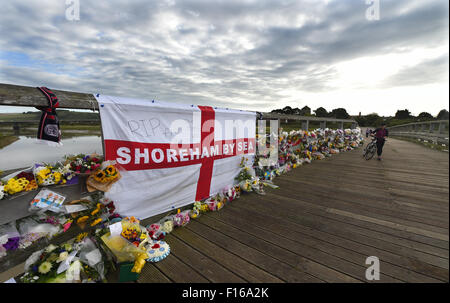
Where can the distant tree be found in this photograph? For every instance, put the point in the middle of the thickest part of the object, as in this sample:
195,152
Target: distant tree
287,110
443,115
425,116
305,111
339,113
296,111
373,119
403,114
321,112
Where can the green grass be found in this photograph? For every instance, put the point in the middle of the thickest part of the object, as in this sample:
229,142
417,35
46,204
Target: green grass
7,140
80,127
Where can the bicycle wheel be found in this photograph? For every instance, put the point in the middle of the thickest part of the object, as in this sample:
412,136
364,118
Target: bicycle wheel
370,152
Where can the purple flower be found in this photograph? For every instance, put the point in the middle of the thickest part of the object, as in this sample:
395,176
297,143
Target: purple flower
12,244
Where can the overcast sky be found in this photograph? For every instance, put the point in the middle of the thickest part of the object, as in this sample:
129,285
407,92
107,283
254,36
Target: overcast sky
253,55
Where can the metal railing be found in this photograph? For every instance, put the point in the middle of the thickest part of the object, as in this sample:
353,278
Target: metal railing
434,131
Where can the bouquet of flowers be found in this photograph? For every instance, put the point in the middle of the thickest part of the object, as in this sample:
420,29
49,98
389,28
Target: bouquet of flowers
181,218
103,178
90,216
45,175
196,209
39,226
82,164
131,244
58,264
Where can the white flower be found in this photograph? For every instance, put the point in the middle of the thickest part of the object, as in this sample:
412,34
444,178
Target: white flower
50,248
62,256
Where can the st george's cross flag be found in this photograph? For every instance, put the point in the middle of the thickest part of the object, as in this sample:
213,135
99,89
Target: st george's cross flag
171,155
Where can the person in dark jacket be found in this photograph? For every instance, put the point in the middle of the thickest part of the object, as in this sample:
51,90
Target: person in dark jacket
380,134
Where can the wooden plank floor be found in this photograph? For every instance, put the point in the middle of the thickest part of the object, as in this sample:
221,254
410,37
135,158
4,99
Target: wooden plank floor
322,224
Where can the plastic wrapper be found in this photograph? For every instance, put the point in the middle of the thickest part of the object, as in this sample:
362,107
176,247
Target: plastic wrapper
90,255
122,249
245,186
31,231
32,259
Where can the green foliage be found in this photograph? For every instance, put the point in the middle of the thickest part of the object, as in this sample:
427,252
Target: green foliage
62,115
339,113
403,114
321,112
443,115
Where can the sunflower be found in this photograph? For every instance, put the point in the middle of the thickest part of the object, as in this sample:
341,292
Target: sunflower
45,267
110,170
99,176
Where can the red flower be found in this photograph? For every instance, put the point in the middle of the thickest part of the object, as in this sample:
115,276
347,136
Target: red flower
156,246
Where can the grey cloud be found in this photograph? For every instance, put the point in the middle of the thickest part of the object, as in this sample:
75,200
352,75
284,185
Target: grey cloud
427,72
203,52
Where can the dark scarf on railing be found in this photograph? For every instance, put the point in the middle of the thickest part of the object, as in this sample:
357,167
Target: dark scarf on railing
49,124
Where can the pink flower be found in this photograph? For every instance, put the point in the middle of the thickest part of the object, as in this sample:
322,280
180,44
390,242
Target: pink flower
67,226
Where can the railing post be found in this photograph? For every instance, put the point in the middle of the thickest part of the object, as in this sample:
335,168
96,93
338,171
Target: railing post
441,127
305,125
16,128
323,124
341,125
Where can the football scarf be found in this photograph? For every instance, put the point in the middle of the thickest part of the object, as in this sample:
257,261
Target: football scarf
49,124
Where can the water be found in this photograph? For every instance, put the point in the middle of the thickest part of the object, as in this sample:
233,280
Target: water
25,151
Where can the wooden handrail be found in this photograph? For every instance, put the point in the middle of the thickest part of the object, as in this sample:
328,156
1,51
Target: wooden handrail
15,95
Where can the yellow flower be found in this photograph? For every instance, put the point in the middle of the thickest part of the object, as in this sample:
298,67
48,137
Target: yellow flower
57,176
95,211
80,237
204,208
82,219
96,222
45,267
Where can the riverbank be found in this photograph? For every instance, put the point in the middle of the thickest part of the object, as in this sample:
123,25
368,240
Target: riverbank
7,140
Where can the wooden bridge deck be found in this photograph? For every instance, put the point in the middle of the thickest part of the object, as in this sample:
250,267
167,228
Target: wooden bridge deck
322,224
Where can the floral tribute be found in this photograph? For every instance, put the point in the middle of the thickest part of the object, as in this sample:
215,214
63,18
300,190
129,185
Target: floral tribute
81,259
84,164
78,260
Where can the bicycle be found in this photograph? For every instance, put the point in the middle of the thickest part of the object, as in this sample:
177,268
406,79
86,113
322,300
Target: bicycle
370,149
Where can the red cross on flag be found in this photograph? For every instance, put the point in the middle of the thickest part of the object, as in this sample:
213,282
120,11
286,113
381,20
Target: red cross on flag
171,154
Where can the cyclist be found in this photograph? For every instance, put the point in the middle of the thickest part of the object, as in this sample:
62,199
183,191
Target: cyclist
380,134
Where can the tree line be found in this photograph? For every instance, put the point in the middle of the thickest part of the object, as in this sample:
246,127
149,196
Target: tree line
401,116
